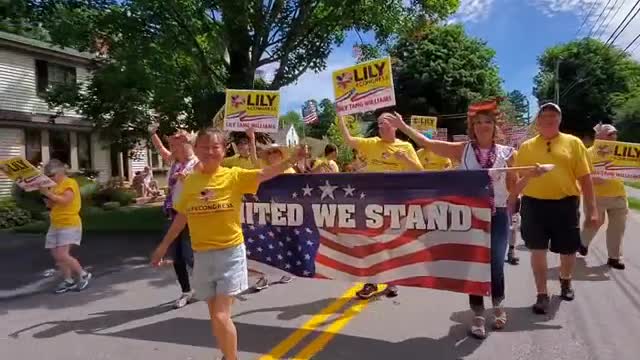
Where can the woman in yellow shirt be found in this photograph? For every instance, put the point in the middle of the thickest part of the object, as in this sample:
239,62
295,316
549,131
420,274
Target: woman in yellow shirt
327,163
66,227
210,204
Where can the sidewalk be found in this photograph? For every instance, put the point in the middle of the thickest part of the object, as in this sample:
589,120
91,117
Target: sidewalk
632,192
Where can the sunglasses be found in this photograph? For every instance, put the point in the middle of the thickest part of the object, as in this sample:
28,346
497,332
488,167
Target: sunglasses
548,146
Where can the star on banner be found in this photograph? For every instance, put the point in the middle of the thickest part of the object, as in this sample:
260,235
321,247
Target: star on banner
306,191
362,195
348,191
294,195
327,190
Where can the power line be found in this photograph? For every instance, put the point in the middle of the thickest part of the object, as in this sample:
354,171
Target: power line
611,42
613,17
601,26
632,42
598,19
586,18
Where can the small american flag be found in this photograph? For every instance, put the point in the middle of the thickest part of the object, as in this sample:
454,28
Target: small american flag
455,260
309,113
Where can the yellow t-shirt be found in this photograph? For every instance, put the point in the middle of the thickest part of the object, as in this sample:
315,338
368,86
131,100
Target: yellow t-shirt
610,187
324,162
432,162
239,162
567,153
378,154
66,216
290,171
211,203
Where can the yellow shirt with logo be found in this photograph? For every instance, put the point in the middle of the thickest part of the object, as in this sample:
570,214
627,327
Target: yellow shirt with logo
212,203
239,162
567,153
328,164
66,216
432,162
610,187
379,155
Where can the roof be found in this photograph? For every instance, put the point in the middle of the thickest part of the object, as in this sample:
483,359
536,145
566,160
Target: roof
42,47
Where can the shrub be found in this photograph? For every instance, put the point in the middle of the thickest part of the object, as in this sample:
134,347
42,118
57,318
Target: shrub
11,215
120,195
111,205
31,201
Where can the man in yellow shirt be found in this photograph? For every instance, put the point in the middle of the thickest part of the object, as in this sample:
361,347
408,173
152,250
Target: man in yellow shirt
383,153
550,203
210,202
611,198
432,162
327,164
65,229
247,157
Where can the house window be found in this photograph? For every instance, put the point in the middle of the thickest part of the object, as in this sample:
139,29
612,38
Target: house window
33,146
59,146
155,159
84,151
49,74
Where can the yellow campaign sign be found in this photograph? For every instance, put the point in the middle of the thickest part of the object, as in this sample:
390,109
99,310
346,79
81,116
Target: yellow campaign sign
616,159
27,176
424,123
364,87
259,109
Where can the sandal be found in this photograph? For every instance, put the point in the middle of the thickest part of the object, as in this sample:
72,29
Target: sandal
500,319
391,291
477,329
367,291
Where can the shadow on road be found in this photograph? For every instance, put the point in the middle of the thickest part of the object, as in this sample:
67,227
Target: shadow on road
583,272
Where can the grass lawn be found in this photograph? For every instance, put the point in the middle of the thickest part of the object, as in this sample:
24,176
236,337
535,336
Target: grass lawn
633,184
634,203
126,219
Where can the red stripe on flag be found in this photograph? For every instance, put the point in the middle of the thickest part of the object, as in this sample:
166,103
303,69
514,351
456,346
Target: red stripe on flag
469,253
462,286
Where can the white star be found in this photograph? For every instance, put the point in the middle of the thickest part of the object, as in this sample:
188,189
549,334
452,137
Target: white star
307,256
261,237
280,243
252,227
288,239
248,253
278,229
270,247
362,195
306,191
250,240
327,190
306,273
309,242
298,263
299,248
296,231
269,258
259,249
348,191
280,257
289,253
271,234
294,195
287,266
308,230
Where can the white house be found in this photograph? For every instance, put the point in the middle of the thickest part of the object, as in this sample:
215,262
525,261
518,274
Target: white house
29,128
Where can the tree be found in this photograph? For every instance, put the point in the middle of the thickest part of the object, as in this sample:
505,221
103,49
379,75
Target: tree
628,118
16,16
520,105
292,118
326,117
334,135
440,70
177,56
594,79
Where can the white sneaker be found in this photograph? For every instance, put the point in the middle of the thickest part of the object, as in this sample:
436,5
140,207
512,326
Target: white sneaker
184,300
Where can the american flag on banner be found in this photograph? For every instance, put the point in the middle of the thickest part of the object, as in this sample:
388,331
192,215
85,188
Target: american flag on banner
515,135
460,138
309,112
424,230
441,134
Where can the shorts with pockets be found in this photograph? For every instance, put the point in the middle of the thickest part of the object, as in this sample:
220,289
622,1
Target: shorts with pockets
57,237
551,224
220,272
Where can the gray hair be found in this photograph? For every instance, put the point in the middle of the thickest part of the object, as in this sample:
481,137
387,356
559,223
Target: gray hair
55,166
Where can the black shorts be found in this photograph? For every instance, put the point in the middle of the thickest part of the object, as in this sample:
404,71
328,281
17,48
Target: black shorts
551,224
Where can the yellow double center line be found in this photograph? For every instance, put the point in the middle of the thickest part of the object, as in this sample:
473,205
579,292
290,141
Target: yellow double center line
316,321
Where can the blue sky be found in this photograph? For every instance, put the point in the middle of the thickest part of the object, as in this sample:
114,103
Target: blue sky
518,30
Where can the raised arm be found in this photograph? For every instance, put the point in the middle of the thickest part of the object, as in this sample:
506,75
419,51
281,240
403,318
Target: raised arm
251,134
157,143
442,148
346,135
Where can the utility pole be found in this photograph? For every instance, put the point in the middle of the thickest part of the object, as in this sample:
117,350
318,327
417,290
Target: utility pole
557,82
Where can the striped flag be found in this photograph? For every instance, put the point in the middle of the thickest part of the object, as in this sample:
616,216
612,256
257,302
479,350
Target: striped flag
309,112
427,230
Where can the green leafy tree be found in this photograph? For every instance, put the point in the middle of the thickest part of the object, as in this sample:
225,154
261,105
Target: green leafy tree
292,118
176,57
440,70
594,79
628,118
520,105
326,117
16,16
334,136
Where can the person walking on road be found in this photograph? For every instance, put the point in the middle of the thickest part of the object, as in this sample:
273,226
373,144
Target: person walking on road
183,161
481,152
611,200
550,203
213,195
384,153
64,201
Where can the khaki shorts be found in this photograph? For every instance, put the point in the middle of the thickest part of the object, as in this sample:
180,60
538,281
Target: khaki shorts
57,237
220,272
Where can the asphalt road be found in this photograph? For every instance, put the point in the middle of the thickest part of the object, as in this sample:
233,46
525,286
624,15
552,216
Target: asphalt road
126,314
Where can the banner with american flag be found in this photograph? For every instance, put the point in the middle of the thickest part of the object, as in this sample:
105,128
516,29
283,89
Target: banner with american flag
310,112
427,230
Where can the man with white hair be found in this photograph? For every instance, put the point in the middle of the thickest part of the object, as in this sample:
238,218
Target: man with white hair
611,198
66,226
551,200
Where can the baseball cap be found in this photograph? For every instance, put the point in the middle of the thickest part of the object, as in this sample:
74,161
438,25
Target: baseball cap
550,106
